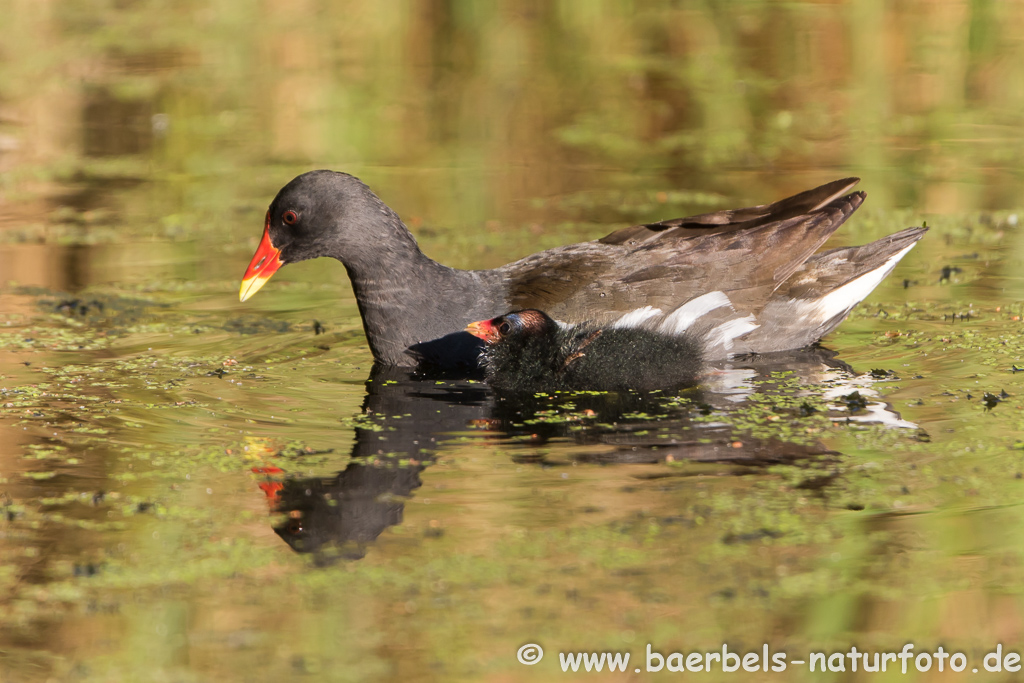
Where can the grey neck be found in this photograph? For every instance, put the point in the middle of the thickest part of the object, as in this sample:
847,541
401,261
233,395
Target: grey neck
419,300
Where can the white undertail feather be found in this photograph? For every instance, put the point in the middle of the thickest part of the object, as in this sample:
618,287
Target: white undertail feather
679,320
840,300
725,333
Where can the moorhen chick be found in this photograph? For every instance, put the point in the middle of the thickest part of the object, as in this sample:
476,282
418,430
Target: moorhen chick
527,351
749,278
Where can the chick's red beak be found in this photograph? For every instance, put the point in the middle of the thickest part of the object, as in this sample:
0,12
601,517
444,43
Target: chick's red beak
484,329
265,263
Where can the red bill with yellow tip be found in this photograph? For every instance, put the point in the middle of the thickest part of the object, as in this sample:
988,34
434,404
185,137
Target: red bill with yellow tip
265,263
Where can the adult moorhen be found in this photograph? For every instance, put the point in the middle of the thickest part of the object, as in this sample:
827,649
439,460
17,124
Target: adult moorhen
748,278
527,351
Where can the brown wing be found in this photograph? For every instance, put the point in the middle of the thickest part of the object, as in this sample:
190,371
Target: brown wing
729,220
601,281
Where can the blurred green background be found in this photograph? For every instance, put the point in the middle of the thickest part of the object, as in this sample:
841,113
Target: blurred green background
177,122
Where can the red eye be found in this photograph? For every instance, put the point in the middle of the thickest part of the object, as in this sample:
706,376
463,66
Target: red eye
290,217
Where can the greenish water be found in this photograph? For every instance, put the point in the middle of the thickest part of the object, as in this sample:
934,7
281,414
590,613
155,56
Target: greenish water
193,489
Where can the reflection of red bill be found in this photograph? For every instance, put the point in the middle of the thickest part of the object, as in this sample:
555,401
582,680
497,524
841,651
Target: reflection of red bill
272,489
484,329
265,263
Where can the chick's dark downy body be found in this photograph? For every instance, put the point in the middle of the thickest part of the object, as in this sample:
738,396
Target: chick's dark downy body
527,351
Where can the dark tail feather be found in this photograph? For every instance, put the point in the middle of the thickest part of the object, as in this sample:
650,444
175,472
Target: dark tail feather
728,220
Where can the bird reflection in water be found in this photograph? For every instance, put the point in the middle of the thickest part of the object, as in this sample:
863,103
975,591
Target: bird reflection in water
336,518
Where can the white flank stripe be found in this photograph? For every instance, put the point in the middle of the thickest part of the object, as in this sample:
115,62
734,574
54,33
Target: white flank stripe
680,319
636,317
731,329
841,300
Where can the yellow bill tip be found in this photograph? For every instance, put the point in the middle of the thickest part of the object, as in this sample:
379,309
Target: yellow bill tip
250,286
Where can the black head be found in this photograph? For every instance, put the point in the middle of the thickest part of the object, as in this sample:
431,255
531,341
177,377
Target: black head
326,213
